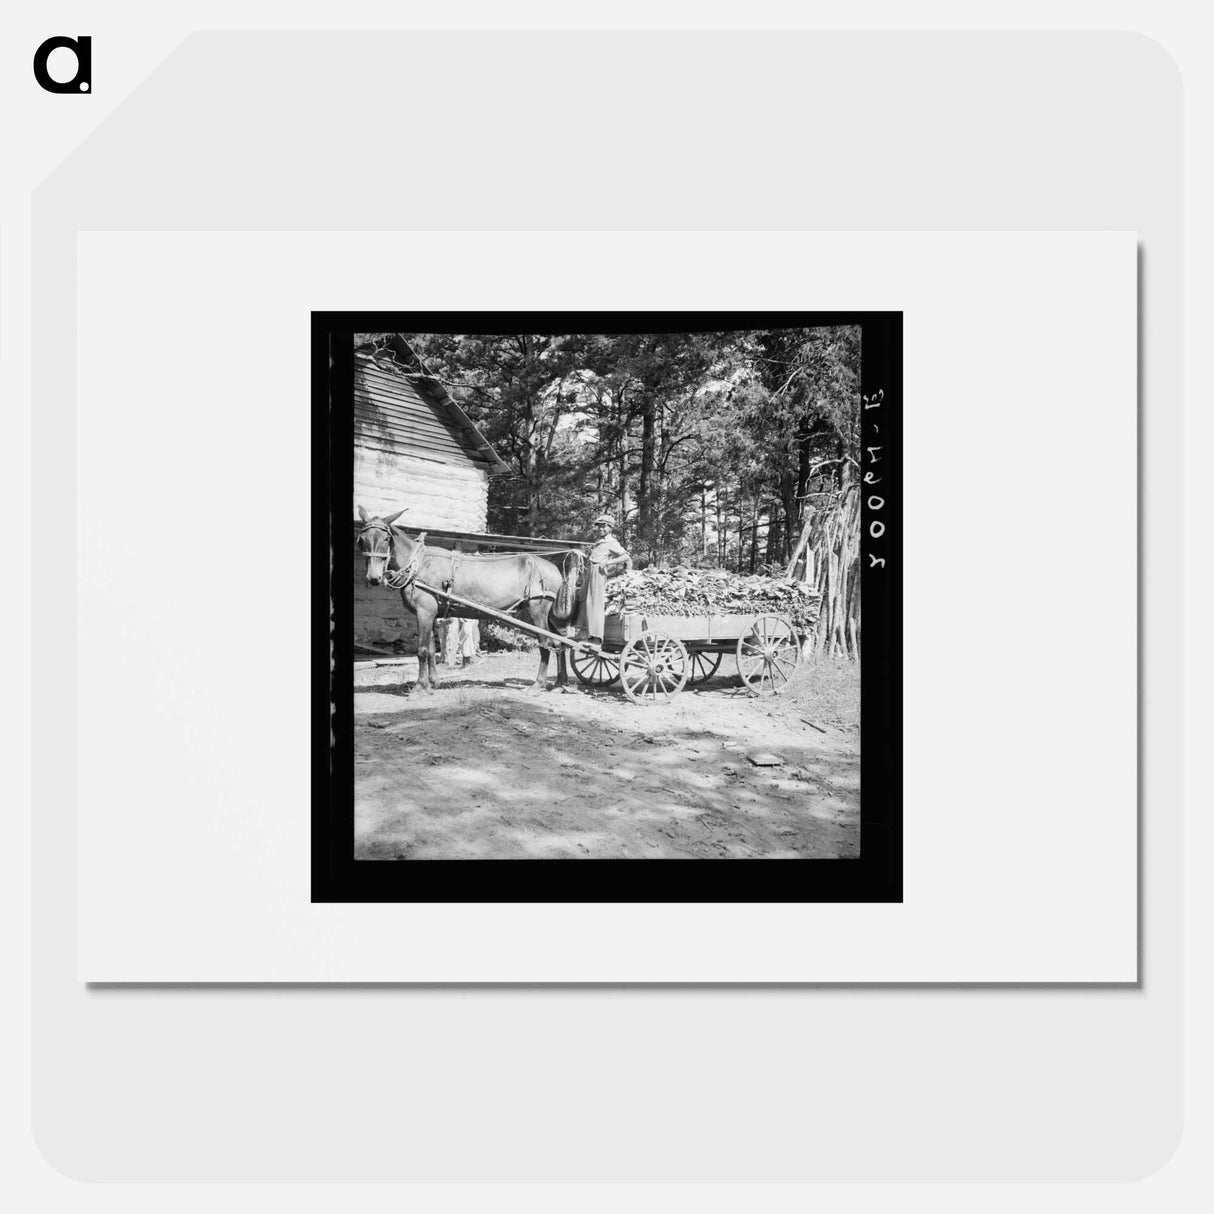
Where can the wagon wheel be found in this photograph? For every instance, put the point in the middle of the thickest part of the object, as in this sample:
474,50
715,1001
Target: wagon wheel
594,669
704,663
653,668
768,654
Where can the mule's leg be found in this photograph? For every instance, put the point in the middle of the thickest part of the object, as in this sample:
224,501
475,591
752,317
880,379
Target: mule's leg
562,670
538,610
558,623
541,676
433,667
427,675
410,604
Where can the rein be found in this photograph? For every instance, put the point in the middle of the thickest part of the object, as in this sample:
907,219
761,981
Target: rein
397,579
510,556
402,578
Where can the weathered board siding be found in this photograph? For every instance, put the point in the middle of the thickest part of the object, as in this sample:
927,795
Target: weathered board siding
455,496
408,455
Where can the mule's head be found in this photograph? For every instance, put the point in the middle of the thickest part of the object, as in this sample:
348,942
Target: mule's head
375,544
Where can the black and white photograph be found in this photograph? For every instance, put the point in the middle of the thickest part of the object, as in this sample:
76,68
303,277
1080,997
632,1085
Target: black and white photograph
607,593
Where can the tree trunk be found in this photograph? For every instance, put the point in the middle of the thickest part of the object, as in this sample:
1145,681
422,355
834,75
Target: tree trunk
716,495
775,537
659,492
530,471
803,464
754,534
533,499
645,502
622,454
792,517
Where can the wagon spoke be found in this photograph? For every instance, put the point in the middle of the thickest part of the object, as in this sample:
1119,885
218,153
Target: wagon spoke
637,674
653,668
704,665
593,669
767,653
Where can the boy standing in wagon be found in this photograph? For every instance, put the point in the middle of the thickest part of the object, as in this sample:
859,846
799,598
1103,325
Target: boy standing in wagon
606,555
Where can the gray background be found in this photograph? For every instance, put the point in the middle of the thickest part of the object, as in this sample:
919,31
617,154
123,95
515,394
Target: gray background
833,131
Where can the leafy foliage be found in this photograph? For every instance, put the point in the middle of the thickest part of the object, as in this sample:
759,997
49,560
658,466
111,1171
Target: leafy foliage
705,447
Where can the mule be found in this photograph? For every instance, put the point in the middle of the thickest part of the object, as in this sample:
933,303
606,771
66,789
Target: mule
502,582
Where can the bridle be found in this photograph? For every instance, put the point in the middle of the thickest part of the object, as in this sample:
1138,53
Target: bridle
396,579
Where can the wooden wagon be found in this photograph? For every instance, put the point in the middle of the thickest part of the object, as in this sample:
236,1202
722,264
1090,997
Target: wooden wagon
655,657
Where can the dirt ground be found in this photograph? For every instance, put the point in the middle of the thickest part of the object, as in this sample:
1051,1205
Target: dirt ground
485,768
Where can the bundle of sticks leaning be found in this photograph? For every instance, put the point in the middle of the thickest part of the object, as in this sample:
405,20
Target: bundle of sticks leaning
691,592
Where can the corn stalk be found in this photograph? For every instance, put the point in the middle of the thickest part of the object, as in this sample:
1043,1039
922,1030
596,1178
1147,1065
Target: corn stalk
834,540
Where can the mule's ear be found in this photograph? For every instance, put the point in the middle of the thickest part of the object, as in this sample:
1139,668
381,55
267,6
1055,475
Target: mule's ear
393,517
362,514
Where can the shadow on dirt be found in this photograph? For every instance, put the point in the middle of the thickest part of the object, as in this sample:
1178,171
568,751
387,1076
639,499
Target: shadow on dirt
516,775
733,687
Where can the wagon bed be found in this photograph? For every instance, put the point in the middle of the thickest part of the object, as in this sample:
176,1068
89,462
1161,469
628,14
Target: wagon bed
698,629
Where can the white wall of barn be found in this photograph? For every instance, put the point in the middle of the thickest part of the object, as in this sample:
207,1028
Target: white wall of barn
453,496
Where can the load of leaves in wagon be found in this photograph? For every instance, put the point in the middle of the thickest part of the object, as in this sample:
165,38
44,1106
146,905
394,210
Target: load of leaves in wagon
696,592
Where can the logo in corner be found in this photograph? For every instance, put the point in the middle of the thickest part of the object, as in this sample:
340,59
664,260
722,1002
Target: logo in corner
82,81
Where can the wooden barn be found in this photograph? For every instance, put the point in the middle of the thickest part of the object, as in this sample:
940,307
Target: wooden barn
414,450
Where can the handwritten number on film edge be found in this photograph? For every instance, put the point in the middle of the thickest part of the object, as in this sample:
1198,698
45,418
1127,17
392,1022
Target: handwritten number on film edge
876,503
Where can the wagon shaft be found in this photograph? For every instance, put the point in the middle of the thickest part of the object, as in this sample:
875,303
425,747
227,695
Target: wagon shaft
554,639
